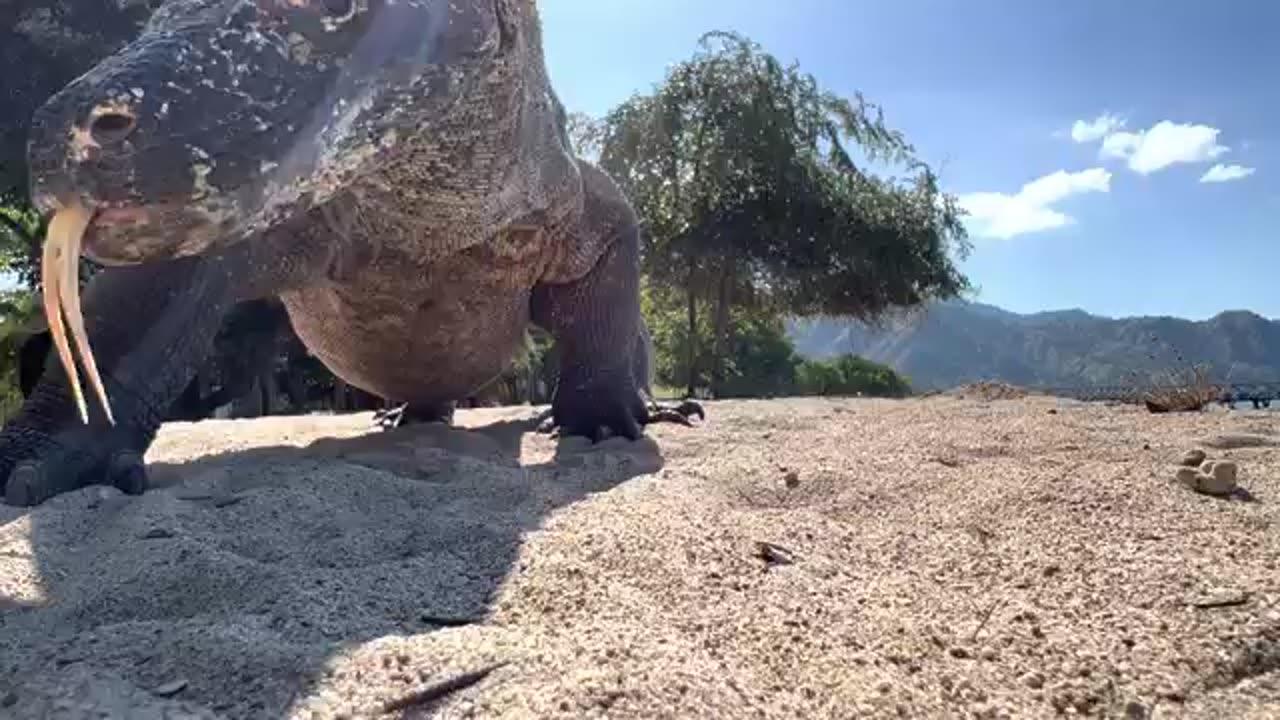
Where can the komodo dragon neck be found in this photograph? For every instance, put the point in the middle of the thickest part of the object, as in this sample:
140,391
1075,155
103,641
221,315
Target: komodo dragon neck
498,160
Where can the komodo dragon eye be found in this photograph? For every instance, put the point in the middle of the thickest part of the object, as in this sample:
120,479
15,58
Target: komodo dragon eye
334,9
338,8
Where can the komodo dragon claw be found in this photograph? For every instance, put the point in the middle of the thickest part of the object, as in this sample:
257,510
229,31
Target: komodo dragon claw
658,413
678,414
405,414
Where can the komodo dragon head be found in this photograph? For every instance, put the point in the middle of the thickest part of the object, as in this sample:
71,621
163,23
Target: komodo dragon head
225,118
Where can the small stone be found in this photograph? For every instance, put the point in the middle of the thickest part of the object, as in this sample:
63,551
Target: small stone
1187,476
1215,477
1135,710
960,653
1224,471
1235,441
1216,485
988,653
791,478
226,501
1193,458
1033,680
170,688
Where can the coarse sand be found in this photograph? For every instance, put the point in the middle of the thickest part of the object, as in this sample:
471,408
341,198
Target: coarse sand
936,557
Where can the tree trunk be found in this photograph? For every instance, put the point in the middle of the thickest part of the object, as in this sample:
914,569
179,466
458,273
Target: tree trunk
339,395
691,359
248,405
720,343
267,382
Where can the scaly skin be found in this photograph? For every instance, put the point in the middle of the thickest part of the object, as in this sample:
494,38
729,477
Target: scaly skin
398,175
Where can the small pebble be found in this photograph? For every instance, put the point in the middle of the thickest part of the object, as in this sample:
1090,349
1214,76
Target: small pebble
792,479
1193,458
1187,476
1224,471
1135,711
1033,680
1235,441
170,688
1215,477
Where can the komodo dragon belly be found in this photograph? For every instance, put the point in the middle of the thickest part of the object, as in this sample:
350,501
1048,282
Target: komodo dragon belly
430,338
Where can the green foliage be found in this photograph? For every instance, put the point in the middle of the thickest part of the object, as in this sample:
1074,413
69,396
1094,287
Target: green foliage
664,311
533,374
585,135
761,362
735,155
17,309
850,375
743,173
21,228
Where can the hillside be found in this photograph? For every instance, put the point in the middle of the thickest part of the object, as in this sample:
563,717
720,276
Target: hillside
958,342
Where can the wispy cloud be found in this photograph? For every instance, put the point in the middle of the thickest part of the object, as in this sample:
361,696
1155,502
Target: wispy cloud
1003,216
1160,146
1083,131
1164,144
1226,173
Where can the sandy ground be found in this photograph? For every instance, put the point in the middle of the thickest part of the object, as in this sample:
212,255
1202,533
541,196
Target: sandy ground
924,558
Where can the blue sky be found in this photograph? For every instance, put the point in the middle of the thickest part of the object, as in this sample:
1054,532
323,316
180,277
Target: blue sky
1084,136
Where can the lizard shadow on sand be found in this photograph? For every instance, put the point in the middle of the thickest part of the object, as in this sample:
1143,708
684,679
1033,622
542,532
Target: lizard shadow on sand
315,549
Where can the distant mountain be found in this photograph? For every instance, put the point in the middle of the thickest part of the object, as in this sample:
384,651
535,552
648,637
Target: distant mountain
956,342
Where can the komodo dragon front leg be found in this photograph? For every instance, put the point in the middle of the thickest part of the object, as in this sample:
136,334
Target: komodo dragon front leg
594,322
151,327
600,337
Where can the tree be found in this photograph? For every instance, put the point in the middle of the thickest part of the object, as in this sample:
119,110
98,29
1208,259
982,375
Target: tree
850,375
585,135
740,170
21,230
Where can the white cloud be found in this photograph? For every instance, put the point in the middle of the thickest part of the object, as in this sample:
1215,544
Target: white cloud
1002,216
1226,173
1096,129
1162,145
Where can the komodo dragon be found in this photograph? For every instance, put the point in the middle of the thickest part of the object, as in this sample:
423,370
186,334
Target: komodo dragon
397,172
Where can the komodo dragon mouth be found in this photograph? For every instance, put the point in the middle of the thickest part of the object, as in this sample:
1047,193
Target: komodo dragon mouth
226,118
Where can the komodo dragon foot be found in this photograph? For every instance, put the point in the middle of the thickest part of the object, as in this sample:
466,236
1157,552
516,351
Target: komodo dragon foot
406,414
658,413
676,414
151,325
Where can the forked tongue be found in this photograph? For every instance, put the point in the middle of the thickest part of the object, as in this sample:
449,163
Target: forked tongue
60,272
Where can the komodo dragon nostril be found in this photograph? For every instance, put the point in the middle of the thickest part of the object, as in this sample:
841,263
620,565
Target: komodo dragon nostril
111,127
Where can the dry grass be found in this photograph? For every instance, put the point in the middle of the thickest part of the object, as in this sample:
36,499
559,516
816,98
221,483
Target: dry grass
988,390
1186,391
